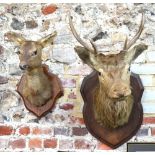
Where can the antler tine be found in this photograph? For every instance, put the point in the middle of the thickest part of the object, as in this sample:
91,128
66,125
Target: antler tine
93,45
135,38
78,37
125,43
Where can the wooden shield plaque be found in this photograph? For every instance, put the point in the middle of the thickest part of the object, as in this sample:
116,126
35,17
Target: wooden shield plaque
57,92
112,137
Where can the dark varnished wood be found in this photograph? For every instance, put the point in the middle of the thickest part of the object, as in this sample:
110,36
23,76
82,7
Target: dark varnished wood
56,93
112,137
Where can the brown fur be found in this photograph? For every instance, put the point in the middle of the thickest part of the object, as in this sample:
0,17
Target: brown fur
37,87
111,110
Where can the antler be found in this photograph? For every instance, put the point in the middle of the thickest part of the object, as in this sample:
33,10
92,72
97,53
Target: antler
135,38
88,47
97,59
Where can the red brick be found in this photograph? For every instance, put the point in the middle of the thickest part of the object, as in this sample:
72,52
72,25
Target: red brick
83,144
19,143
149,120
38,131
153,131
35,143
24,130
65,144
72,95
50,143
66,106
77,120
79,131
6,130
49,9
102,146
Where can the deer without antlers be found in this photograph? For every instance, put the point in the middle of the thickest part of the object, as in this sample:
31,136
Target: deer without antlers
113,100
37,88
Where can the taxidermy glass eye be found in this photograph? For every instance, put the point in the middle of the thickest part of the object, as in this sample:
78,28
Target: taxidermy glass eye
99,73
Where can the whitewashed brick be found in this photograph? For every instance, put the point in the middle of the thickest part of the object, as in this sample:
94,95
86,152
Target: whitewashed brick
143,68
150,56
148,80
141,58
148,107
148,95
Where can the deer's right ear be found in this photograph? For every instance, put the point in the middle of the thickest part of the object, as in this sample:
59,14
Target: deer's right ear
83,53
87,58
15,37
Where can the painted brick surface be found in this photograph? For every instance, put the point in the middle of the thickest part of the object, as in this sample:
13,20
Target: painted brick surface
63,128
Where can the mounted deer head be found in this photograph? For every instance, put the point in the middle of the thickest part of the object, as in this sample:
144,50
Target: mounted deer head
37,88
30,52
113,100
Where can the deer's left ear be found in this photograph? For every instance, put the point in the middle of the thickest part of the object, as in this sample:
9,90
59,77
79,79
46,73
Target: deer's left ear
135,51
139,49
47,40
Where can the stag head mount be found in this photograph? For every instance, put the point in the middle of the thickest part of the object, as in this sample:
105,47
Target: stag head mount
113,100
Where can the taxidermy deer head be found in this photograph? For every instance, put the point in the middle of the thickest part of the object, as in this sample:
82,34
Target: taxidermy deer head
113,99
37,88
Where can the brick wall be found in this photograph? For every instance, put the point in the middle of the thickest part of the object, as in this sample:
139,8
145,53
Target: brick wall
63,128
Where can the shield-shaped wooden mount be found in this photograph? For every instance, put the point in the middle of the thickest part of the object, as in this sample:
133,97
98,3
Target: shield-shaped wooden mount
57,92
112,137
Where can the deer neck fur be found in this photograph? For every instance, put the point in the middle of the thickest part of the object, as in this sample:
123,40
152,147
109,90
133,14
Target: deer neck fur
37,71
109,112
37,87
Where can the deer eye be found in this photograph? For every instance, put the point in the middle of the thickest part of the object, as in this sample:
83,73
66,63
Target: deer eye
115,90
34,53
99,73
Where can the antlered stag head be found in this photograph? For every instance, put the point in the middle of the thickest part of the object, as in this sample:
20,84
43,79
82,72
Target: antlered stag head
113,99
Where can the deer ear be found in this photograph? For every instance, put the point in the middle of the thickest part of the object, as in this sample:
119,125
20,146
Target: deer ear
47,40
83,54
139,49
135,51
15,37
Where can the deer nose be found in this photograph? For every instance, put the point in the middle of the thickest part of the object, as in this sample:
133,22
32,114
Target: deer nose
23,66
121,95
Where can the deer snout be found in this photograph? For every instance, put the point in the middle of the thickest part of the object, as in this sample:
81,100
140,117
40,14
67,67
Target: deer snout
121,95
23,66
